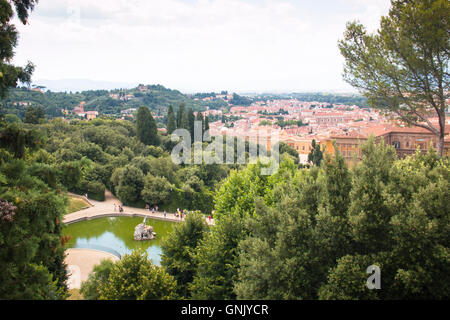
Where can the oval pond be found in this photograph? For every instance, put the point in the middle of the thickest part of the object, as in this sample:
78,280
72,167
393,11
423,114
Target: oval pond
115,235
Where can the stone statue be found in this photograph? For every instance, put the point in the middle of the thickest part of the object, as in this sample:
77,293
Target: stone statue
144,232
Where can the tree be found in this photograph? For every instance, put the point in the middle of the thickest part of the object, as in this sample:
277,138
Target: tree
185,121
32,247
11,118
40,114
171,123
316,155
180,114
200,118
369,215
285,148
97,280
206,126
218,255
156,189
402,69
34,115
398,222
191,120
178,251
16,139
347,281
131,183
146,128
332,228
239,190
10,74
279,259
136,278
218,260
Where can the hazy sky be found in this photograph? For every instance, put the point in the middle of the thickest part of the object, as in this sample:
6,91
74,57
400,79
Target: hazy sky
195,45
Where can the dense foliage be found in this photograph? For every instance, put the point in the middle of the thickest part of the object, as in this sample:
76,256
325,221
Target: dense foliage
10,74
179,249
32,207
328,225
132,278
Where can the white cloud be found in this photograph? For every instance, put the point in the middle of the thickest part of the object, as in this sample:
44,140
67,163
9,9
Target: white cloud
193,45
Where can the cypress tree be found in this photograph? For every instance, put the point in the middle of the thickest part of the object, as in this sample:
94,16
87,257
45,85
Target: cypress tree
171,124
181,111
146,129
184,120
191,119
206,125
200,118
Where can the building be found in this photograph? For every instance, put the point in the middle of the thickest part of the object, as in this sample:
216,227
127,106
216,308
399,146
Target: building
128,111
142,88
348,145
405,140
80,108
91,115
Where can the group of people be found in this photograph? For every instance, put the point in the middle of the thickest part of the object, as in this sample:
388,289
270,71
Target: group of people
154,209
179,214
118,206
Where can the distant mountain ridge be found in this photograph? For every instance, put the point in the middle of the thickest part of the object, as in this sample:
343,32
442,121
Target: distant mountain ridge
78,85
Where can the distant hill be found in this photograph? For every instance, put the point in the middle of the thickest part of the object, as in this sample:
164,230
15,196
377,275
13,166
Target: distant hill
332,98
156,97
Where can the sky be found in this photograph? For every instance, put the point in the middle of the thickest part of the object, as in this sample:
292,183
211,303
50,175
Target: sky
195,45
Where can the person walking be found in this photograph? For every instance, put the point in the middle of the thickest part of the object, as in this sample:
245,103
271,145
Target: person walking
164,213
115,207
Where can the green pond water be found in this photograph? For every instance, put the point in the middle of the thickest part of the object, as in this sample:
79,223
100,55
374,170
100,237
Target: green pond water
115,235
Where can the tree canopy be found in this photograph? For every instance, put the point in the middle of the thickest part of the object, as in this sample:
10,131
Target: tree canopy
402,68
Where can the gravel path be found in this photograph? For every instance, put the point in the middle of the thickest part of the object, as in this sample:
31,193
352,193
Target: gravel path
106,209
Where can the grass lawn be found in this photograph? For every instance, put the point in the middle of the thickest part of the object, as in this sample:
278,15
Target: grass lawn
76,204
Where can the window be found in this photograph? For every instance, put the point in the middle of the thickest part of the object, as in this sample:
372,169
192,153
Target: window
396,144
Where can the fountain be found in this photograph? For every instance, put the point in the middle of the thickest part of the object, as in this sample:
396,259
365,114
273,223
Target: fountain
144,232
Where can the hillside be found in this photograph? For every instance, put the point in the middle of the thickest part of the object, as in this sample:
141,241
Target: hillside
156,97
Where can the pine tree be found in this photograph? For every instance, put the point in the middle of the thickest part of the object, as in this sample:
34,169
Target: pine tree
402,68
